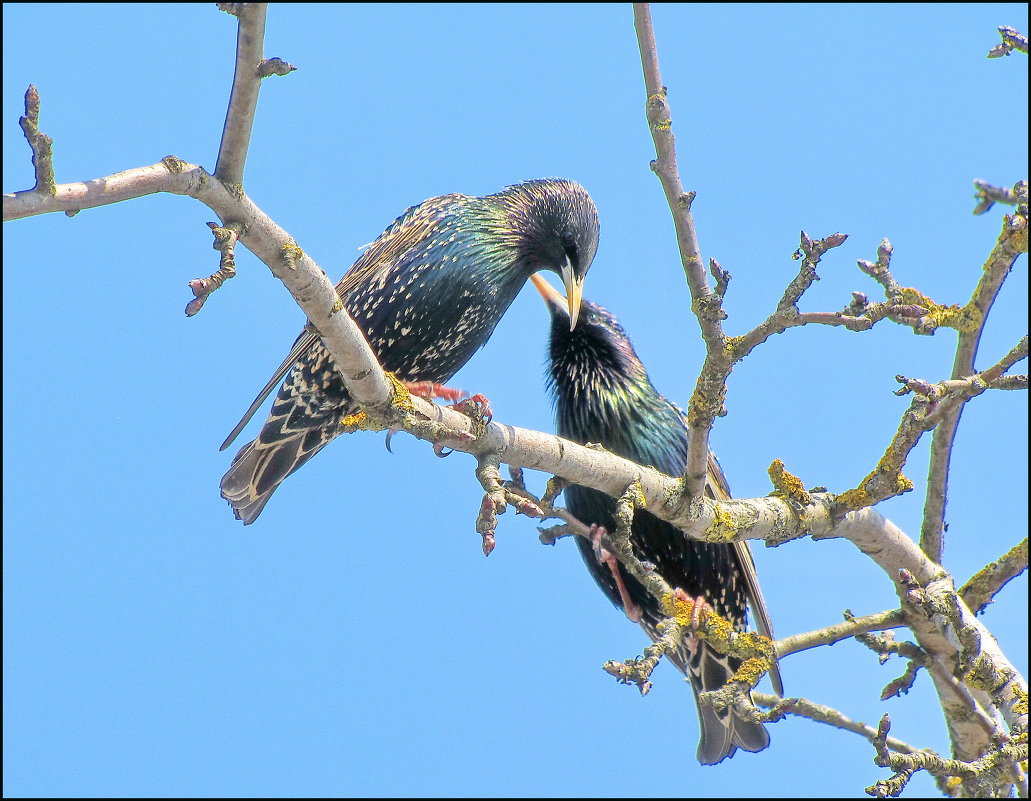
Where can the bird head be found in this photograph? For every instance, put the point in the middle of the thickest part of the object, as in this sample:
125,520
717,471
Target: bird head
561,233
597,347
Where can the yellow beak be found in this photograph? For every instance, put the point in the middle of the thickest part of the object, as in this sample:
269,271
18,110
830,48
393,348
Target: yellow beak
552,297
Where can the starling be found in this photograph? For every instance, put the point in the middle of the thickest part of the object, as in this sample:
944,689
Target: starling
428,294
602,394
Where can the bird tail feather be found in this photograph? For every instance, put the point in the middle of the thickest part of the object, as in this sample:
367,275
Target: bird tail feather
260,467
725,731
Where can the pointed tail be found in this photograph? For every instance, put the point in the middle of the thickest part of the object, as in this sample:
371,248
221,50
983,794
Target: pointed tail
722,733
260,467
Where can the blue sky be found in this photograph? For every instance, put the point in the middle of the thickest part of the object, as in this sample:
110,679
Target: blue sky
354,641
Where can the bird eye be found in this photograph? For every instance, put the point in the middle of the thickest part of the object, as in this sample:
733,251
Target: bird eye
571,251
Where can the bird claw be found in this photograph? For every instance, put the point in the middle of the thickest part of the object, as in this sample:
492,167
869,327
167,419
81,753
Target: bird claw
597,532
451,434
476,406
699,607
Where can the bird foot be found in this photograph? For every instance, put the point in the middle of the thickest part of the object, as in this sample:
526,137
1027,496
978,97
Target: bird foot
630,609
699,607
477,407
431,390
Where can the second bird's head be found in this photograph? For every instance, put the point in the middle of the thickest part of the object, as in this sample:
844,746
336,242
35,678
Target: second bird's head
596,356
563,227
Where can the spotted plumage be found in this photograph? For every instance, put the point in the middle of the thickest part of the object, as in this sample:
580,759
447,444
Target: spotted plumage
602,394
428,294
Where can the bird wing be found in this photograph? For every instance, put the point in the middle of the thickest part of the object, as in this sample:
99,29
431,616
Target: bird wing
720,490
372,267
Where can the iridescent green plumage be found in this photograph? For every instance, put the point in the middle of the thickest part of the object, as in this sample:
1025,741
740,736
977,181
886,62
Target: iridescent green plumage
428,294
603,394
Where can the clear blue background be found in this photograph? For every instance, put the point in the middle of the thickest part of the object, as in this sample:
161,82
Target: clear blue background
355,641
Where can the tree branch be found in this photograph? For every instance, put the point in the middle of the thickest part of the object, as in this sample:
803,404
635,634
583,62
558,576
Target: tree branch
40,144
707,401
1012,39
981,777
1011,243
852,626
931,405
819,713
984,585
243,100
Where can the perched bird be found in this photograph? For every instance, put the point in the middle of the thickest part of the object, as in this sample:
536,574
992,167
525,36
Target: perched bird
602,394
428,294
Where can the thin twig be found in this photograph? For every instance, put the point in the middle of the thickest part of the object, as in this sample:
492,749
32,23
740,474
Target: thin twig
665,165
707,401
980,777
42,145
984,585
931,406
1012,39
1011,243
987,195
819,713
243,101
787,314
829,635
225,244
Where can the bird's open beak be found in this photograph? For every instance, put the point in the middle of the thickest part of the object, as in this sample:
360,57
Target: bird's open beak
574,292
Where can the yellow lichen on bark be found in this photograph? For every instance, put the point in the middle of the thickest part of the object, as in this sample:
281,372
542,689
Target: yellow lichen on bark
962,318
723,527
788,485
756,652
854,499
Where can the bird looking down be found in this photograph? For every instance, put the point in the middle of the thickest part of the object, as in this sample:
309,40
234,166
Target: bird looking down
602,394
428,294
